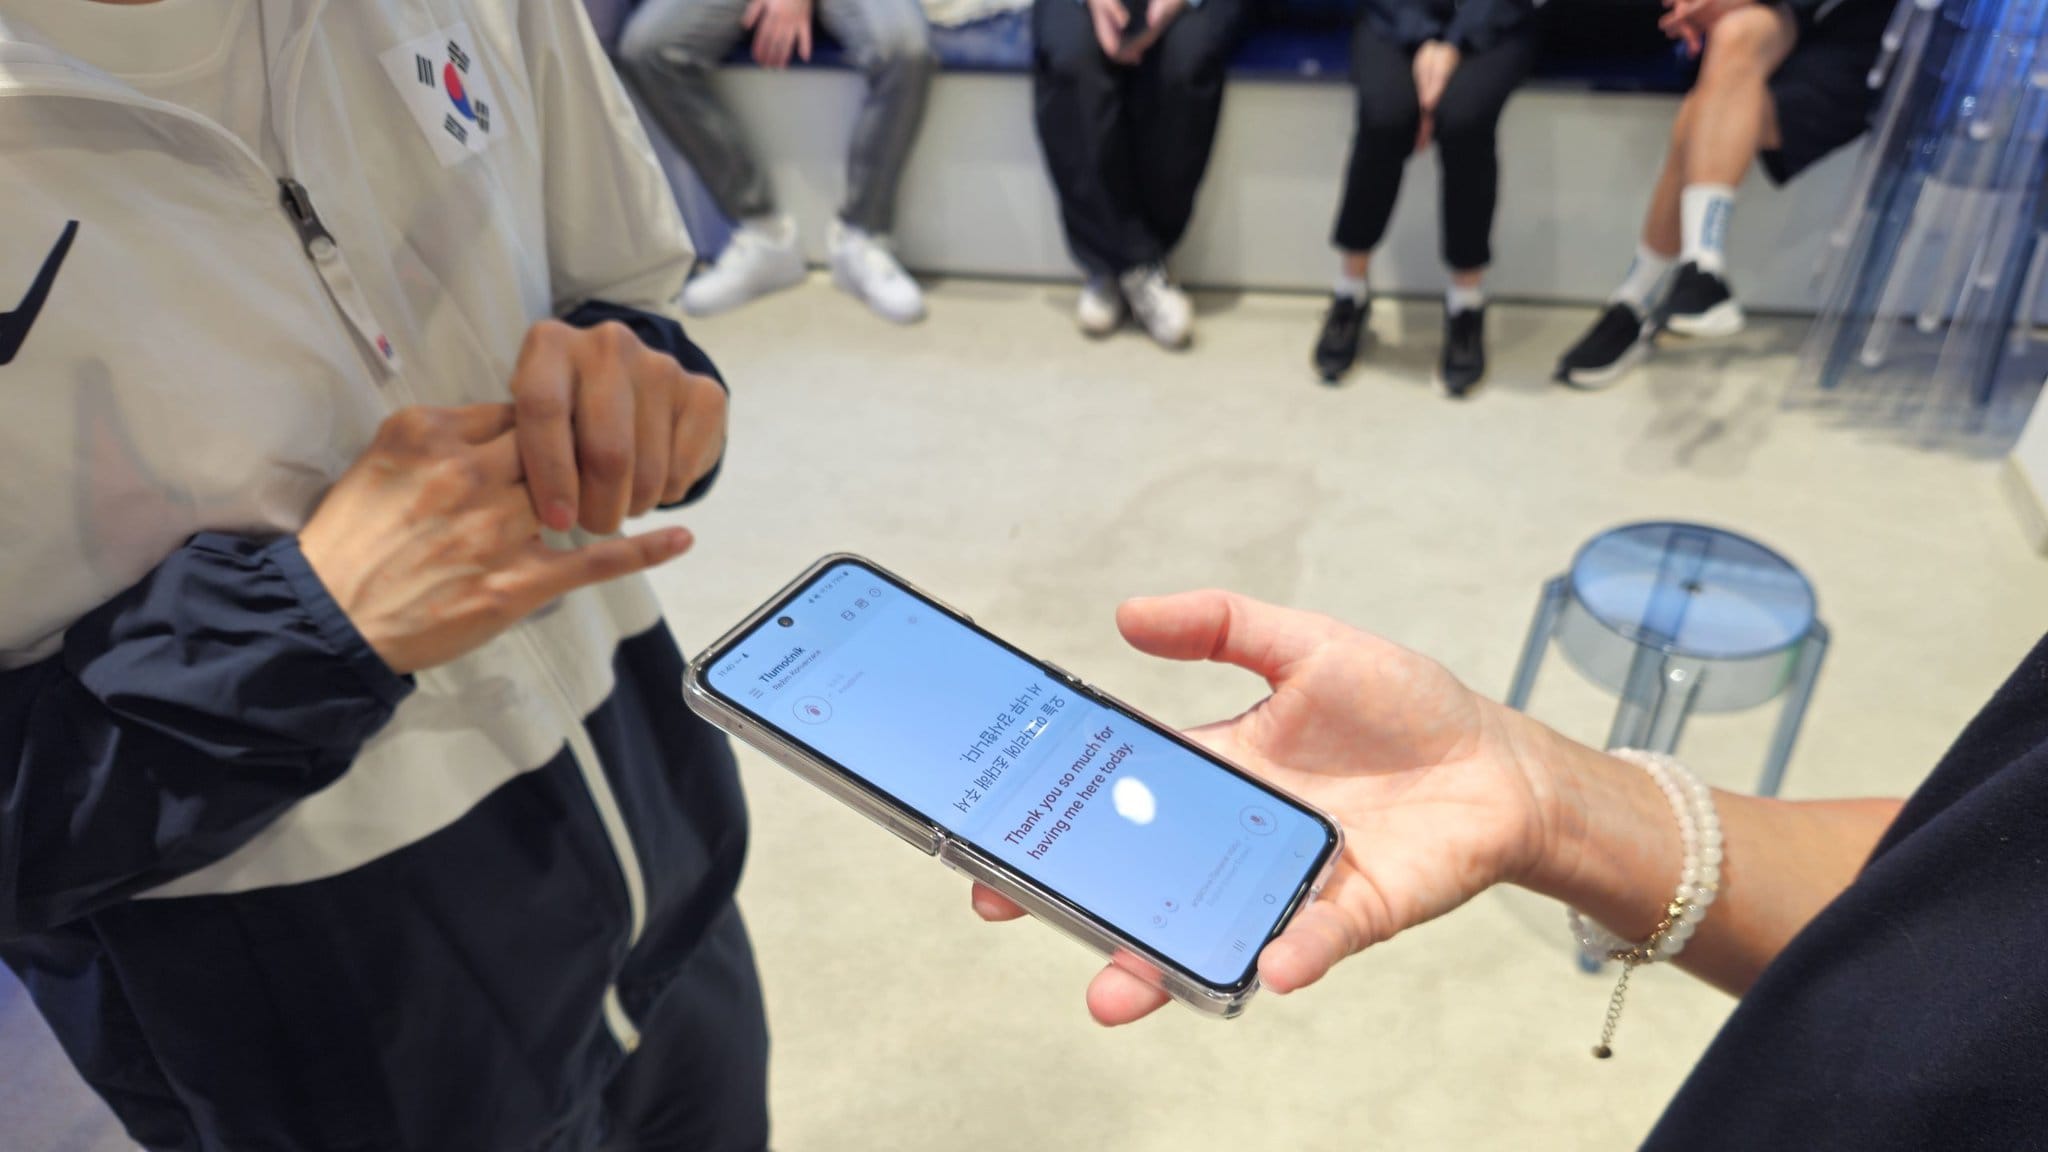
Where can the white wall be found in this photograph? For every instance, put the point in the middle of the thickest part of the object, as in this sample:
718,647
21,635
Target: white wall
1576,170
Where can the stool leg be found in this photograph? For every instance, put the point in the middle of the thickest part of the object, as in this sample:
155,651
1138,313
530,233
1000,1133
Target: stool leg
1805,674
1640,692
1656,699
1681,687
1538,643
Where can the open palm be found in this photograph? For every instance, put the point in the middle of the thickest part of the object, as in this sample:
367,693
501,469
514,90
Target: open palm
1430,781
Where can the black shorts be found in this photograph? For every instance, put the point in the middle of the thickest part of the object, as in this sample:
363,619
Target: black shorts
1822,91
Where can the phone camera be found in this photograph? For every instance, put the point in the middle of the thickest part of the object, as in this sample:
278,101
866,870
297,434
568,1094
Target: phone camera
787,621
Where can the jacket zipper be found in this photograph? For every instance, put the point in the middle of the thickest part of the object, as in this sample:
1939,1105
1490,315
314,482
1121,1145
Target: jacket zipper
613,818
320,245
336,274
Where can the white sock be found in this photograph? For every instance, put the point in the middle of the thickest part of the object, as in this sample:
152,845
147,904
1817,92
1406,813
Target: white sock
1703,211
1463,299
1644,282
1358,288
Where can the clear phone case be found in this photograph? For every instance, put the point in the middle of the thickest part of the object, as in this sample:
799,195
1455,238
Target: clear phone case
934,840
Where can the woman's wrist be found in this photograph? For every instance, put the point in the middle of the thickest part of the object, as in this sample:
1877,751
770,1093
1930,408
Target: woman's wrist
1608,844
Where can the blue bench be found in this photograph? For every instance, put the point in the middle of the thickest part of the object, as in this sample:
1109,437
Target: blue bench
1603,47
1588,47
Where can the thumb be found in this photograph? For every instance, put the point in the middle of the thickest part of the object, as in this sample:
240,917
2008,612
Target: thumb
1221,626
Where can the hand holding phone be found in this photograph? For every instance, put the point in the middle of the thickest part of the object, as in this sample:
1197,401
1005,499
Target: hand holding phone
1128,836
1426,777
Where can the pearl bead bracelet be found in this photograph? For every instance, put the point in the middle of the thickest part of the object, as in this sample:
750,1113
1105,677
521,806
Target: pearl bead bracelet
1699,881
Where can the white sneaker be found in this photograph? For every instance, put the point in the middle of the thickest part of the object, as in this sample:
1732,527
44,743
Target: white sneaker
762,257
1101,309
864,268
1162,309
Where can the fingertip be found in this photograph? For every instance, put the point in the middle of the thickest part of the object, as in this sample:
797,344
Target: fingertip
1281,971
1116,997
1140,617
988,909
1179,626
1273,973
993,906
1136,606
559,515
1312,945
653,549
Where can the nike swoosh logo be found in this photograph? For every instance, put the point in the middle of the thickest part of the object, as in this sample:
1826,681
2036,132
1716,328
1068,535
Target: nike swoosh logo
14,325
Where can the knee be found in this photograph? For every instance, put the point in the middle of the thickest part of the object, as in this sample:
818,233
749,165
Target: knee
1066,68
1387,104
1742,43
1391,127
1459,126
646,56
906,55
1190,71
1063,43
1387,120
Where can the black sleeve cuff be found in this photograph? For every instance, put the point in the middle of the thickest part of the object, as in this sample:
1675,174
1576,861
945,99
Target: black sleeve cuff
333,626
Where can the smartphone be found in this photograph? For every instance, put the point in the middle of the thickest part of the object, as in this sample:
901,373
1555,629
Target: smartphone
1112,827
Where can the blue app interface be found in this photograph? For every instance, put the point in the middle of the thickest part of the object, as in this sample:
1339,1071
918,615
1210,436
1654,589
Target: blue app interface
1171,849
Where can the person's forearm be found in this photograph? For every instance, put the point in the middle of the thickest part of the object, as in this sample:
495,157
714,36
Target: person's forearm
178,720
1613,852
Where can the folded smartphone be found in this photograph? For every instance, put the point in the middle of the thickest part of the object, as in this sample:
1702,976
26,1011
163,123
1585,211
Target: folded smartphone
1114,828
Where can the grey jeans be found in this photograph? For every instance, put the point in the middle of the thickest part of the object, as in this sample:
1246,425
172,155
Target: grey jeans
671,47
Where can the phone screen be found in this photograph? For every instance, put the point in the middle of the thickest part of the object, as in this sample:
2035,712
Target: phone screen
1136,828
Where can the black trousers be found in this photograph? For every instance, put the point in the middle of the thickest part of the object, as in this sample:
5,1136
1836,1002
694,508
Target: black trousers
1127,146
1467,117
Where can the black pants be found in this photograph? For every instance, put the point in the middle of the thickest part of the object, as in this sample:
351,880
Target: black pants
1126,146
699,1078
1467,115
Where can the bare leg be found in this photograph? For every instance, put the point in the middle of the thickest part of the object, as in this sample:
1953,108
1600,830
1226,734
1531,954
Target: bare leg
1733,118
1357,264
1660,223
1726,119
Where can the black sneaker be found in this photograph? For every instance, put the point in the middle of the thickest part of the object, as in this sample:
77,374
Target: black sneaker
1343,326
1700,304
1607,351
1464,350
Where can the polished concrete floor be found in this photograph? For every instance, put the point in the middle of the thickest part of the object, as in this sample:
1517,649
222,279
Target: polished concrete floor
1034,479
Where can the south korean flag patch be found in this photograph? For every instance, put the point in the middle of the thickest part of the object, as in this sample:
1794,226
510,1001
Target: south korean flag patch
441,82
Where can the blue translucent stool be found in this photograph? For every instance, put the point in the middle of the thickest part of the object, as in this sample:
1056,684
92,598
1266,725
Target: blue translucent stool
1680,618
